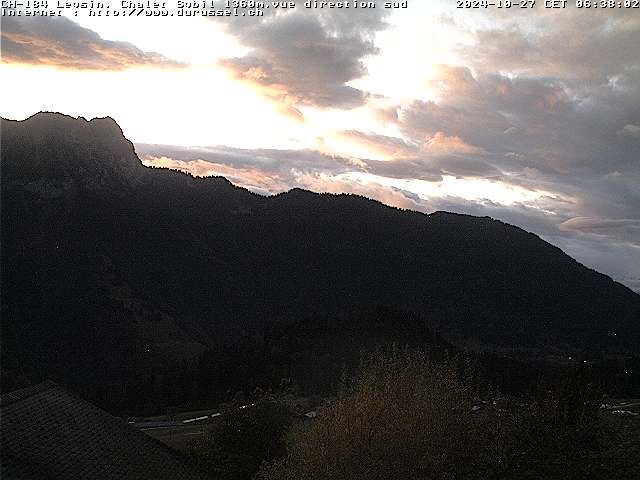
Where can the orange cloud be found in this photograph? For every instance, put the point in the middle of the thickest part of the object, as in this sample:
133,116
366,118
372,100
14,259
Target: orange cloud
440,144
62,43
391,147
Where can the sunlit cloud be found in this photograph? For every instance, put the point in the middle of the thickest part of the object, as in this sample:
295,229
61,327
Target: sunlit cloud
253,179
467,189
379,146
440,144
62,43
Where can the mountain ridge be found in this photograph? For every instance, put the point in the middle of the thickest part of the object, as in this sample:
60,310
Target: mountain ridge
44,116
157,265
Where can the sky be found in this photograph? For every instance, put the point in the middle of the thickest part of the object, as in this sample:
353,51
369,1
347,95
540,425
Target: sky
530,116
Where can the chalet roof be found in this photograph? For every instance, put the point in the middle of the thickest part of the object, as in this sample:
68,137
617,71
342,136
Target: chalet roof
48,433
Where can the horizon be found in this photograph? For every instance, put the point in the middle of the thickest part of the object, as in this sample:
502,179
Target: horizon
546,138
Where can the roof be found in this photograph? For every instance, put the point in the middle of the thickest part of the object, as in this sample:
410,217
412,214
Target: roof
49,434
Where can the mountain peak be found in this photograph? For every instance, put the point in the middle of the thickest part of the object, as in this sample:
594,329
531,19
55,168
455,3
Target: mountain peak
54,121
107,123
65,149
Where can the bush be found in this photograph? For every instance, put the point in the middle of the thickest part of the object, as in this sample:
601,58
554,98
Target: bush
401,417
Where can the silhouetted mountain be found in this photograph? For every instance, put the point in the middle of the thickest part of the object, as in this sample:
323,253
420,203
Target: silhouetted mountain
114,268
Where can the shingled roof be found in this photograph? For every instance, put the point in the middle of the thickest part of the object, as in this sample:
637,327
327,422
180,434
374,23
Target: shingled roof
50,434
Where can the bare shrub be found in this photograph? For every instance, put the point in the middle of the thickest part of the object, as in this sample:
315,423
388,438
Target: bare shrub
402,416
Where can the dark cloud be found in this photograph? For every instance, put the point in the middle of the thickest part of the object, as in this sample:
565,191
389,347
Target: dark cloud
620,228
498,114
433,169
573,44
279,167
307,56
62,43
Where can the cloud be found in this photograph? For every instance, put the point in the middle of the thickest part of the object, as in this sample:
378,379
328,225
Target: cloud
618,228
487,110
440,144
433,169
537,131
435,145
630,130
307,57
546,45
385,145
556,101
62,43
